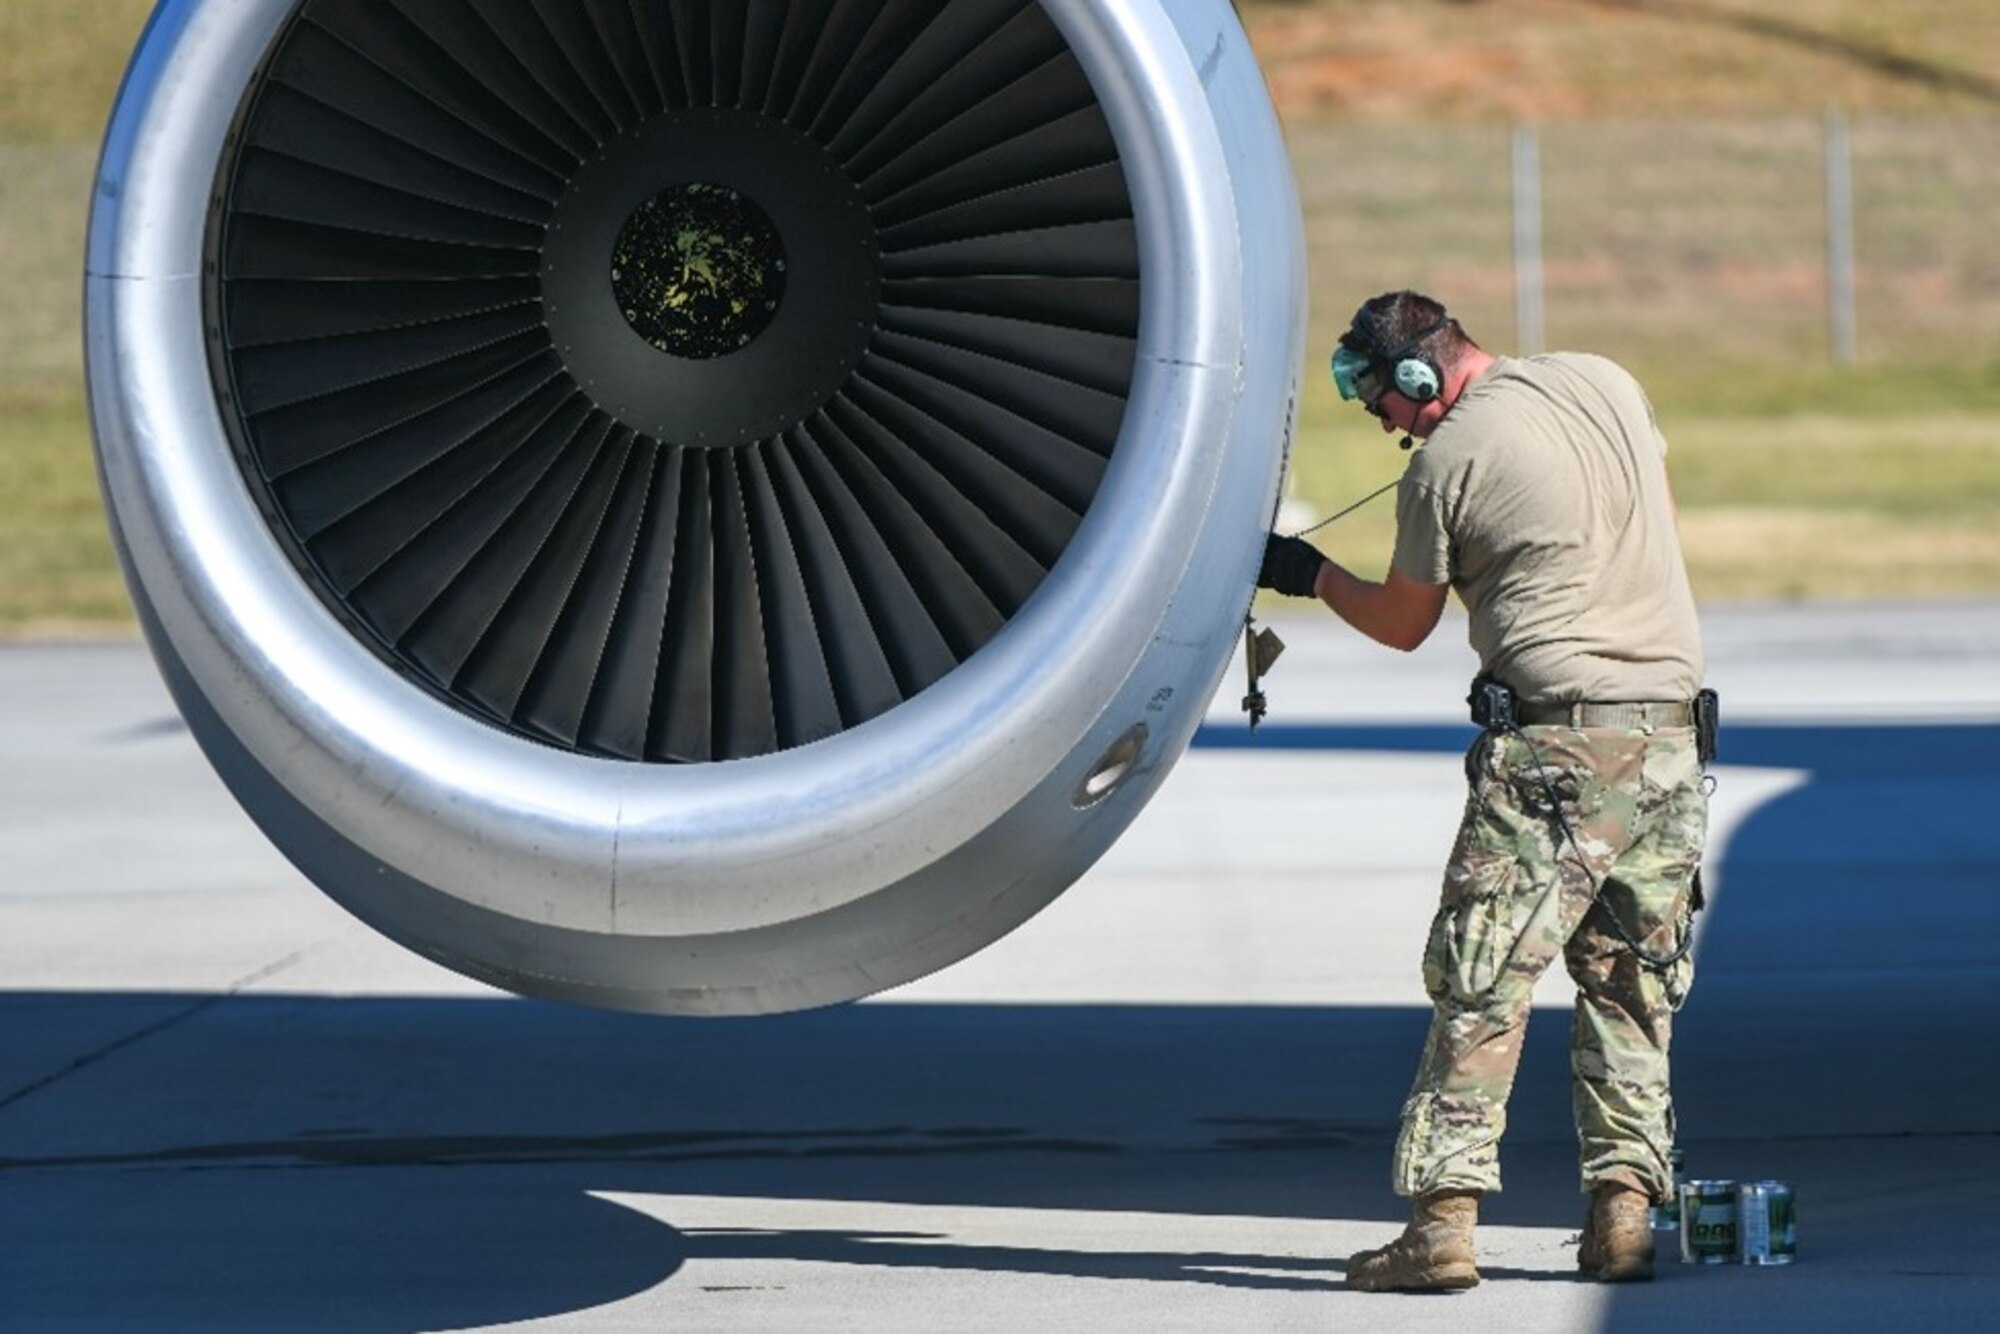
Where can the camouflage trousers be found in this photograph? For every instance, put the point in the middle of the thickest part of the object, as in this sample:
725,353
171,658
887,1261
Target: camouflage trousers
1517,894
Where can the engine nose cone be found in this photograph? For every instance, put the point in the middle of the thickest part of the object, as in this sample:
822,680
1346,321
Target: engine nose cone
698,270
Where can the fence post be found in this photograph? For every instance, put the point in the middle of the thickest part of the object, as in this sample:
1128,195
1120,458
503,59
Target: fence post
1839,239
1527,241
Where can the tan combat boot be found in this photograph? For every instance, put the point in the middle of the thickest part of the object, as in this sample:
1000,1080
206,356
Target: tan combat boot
1434,1254
1617,1244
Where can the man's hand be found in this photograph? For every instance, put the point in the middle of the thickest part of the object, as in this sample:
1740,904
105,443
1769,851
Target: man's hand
1291,566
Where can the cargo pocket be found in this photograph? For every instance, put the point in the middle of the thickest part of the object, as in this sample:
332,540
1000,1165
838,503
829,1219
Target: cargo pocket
1670,765
1473,935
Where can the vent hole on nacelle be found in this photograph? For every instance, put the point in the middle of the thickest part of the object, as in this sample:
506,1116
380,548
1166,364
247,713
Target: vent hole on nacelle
1111,769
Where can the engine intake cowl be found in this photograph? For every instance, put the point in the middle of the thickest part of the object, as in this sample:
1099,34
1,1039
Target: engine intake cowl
691,505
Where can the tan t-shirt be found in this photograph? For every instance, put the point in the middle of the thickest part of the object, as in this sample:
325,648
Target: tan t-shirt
1542,498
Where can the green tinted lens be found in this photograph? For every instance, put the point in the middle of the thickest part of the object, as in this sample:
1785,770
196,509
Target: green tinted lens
1350,372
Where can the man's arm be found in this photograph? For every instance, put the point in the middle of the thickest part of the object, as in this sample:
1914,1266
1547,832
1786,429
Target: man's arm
1399,612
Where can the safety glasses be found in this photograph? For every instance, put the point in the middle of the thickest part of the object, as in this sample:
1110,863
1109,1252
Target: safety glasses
1355,376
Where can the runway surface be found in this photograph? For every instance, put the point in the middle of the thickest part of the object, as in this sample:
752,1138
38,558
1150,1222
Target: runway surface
1166,1103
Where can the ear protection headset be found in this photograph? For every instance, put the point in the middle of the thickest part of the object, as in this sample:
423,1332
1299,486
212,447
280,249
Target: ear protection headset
1361,358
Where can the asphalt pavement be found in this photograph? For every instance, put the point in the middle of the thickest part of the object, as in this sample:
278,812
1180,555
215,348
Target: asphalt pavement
1166,1103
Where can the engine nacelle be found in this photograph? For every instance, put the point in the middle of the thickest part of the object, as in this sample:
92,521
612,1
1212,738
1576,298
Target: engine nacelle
699,506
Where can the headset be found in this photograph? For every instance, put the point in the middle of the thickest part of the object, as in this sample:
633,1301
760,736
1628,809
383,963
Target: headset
1360,360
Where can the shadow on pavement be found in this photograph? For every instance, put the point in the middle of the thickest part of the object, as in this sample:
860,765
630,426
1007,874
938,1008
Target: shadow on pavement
1853,952
302,1162
297,1250
828,1246
323,1162
1847,973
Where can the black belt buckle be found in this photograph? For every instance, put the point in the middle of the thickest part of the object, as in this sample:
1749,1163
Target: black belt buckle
1707,717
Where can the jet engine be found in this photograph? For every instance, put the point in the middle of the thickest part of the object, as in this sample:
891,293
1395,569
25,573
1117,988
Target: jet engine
693,506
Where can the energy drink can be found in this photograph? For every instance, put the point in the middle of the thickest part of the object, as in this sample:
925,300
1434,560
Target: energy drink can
1667,1216
1766,1223
1708,1222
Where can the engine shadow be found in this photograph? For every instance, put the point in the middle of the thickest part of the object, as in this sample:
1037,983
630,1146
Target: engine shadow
312,1162
386,1164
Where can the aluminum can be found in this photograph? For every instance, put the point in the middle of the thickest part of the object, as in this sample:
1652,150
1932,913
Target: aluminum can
1767,1231
1708,1222
1667,1216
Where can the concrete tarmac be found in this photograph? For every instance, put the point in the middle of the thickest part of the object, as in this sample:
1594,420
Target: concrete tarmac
1166,1103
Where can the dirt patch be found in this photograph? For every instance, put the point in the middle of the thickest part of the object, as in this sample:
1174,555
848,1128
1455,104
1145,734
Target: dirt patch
1548,60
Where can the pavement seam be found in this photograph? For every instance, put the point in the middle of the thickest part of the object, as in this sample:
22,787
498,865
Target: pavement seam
158,1026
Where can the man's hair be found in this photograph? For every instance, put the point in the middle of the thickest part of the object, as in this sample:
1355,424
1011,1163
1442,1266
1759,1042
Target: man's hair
1396,319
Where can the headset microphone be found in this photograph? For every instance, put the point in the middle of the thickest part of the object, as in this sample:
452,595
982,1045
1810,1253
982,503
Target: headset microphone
1407,443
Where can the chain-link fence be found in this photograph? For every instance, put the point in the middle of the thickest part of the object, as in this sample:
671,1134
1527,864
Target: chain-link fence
1697,245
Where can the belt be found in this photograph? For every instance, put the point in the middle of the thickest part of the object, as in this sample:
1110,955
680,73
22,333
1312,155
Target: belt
1638,714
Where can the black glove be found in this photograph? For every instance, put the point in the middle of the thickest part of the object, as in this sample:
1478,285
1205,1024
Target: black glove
1291,566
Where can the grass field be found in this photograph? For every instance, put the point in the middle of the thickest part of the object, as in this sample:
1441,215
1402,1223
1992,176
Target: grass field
56,569
1817,486
60,63
1683,230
